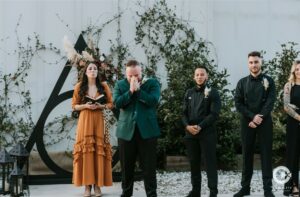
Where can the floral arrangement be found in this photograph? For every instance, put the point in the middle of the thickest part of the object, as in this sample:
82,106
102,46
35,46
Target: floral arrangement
206,92
265,83
91,53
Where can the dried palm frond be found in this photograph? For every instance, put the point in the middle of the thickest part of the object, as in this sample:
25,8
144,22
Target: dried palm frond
91,43
72,54
87,56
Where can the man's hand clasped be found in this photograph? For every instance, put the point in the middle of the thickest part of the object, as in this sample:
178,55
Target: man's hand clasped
257,120
193,129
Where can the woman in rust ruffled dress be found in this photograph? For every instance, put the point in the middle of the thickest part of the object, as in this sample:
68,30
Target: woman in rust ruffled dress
92,150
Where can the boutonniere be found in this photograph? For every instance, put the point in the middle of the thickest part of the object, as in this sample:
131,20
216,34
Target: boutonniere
206,92
144,80
139,84
102,58
293,106
265,83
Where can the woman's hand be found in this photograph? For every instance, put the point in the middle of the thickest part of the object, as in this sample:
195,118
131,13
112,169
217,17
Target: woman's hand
100,106
90,106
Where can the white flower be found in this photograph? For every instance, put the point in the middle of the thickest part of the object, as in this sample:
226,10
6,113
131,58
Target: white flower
102,58
139,84
144,80
265,83
293,106
206,92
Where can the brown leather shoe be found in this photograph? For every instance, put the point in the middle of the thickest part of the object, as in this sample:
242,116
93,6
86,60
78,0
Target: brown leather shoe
87,192
97,191
295,191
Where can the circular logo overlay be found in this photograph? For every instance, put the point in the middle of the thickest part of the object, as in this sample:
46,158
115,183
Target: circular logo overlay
281,175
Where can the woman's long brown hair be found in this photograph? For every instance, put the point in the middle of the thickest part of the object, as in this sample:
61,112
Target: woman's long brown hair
84,82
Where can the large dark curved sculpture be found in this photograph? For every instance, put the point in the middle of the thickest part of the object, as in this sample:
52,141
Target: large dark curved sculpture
60,175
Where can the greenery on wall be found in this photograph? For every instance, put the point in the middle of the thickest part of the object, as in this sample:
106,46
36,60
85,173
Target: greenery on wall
279,68
167,41
166,37
16,122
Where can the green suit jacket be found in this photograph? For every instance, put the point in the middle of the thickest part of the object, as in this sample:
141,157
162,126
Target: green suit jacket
138,109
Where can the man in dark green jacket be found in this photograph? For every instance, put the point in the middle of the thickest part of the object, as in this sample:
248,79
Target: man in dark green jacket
137,128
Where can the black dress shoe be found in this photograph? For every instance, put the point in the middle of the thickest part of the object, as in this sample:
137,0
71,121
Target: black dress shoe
123,195
242,192
287,192
269,194
213,192
194,194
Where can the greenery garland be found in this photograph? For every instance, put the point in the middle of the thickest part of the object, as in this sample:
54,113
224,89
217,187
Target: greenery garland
166,39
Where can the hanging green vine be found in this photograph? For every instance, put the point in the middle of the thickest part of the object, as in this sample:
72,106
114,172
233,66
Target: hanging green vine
16,122
167,41
279,68
164,36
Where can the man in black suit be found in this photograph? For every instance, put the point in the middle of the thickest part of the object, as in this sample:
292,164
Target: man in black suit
254,100
201,108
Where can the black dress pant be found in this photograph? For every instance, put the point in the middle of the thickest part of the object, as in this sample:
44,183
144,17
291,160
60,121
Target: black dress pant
145,149
265,137
206,145
292,151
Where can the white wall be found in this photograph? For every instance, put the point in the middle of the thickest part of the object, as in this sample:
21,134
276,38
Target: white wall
234,27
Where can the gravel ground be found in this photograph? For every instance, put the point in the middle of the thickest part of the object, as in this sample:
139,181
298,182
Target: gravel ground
178,183
170,184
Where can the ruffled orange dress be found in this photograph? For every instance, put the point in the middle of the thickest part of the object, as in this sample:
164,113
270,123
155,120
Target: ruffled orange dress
91,155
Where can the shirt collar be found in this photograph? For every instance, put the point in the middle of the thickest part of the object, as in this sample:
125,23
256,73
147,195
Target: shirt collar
259,77
199,88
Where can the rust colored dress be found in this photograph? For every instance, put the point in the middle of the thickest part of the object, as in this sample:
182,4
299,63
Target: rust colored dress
92,156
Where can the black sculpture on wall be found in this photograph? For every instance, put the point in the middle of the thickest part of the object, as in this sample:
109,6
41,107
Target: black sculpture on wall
60,175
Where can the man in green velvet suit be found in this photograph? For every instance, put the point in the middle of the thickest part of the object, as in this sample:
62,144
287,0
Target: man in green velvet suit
137,128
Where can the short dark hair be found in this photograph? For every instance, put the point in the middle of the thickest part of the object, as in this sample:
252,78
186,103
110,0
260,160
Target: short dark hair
254,54
202,67
132,63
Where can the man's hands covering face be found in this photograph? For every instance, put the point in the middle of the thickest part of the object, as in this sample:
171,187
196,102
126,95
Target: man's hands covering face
134,84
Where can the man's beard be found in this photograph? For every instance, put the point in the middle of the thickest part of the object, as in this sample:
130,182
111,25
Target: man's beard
255,71
201,83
